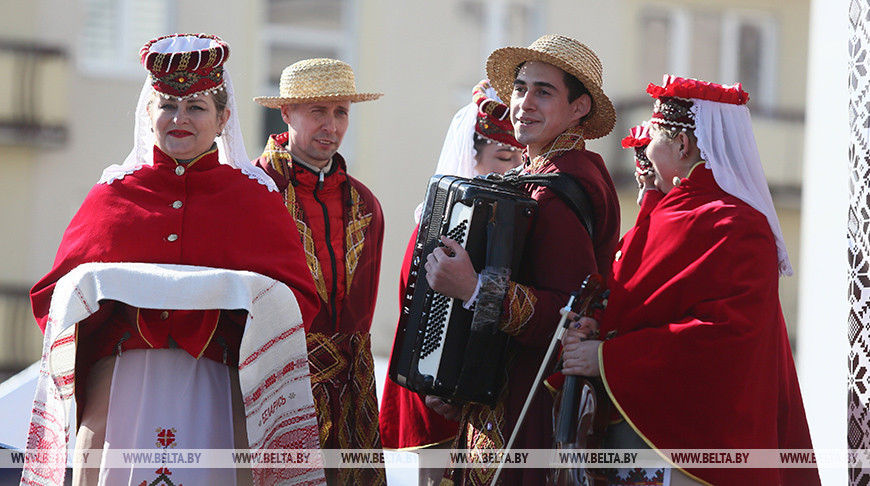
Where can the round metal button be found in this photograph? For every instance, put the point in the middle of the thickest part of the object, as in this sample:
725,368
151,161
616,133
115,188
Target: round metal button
172,237
179,170
618,255
177,204
164,315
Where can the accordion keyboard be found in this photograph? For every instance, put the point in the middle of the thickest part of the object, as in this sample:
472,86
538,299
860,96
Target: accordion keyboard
442,306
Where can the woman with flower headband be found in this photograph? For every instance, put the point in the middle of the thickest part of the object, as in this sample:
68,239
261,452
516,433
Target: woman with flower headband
165,327
695,352
479,141
638,139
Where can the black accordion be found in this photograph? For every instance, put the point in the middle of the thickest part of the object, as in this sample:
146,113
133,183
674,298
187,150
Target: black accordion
441,348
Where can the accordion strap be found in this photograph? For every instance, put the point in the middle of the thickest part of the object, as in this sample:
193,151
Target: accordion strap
565,186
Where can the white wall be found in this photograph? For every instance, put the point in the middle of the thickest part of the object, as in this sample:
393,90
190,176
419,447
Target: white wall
823,311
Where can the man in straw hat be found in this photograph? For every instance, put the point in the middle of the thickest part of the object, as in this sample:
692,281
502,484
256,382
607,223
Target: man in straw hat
556,102
342,228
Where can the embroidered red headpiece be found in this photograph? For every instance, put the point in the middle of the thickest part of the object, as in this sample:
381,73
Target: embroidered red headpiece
493,119
185,65
673,105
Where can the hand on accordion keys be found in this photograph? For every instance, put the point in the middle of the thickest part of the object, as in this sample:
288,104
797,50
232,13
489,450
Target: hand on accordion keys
580,349
449,270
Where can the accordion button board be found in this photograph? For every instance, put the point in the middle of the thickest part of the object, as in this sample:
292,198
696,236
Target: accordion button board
436,352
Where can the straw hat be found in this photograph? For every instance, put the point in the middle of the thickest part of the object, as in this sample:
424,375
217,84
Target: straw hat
313,80
568,55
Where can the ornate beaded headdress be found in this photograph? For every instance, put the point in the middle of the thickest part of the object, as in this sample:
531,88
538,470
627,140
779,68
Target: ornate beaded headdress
493,121
457,153
673,112
638,139
673,105
185,65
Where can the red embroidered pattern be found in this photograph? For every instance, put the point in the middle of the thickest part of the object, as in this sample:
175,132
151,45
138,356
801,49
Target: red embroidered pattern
165,440
343,384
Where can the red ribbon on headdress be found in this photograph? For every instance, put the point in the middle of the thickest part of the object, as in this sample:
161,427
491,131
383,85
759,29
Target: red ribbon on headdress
638,137
677,87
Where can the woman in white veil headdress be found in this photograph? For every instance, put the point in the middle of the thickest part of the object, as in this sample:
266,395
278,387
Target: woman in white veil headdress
231,144
694,315
480,140
186,221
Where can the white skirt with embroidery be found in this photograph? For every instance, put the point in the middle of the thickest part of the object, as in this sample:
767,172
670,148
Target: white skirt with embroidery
164,400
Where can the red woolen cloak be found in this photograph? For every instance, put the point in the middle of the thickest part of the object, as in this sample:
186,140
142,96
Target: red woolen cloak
701,358
224,219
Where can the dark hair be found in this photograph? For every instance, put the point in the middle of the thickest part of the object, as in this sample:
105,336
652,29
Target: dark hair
576,89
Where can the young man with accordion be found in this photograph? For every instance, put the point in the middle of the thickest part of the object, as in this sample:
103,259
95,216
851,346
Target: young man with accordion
556,103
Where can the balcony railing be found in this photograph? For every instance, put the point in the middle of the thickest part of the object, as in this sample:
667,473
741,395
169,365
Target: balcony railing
33,80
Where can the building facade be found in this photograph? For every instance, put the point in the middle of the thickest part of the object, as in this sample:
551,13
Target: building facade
71,79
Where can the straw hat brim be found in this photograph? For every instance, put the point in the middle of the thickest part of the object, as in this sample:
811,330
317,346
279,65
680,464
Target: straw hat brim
502,63
278,101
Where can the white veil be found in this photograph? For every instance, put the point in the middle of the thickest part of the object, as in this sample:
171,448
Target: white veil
231,145
727,143
457,153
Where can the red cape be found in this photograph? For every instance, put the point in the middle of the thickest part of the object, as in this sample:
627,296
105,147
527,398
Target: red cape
226,220
701,358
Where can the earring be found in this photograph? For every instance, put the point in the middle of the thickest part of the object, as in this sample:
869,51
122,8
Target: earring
682,154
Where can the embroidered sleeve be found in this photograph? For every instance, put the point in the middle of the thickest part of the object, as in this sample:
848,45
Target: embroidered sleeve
519,308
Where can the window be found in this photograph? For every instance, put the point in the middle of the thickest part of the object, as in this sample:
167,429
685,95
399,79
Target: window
721,47
302,29
115,30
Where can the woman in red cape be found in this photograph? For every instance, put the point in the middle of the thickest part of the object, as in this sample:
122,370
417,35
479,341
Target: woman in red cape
175,374
480,140
695,353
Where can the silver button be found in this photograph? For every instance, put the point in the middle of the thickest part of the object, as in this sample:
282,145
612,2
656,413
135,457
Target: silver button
618,255
179,170
164,315
177,204
172,237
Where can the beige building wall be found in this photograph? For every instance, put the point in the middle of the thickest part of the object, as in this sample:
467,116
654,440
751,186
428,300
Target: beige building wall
424,56
426,69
